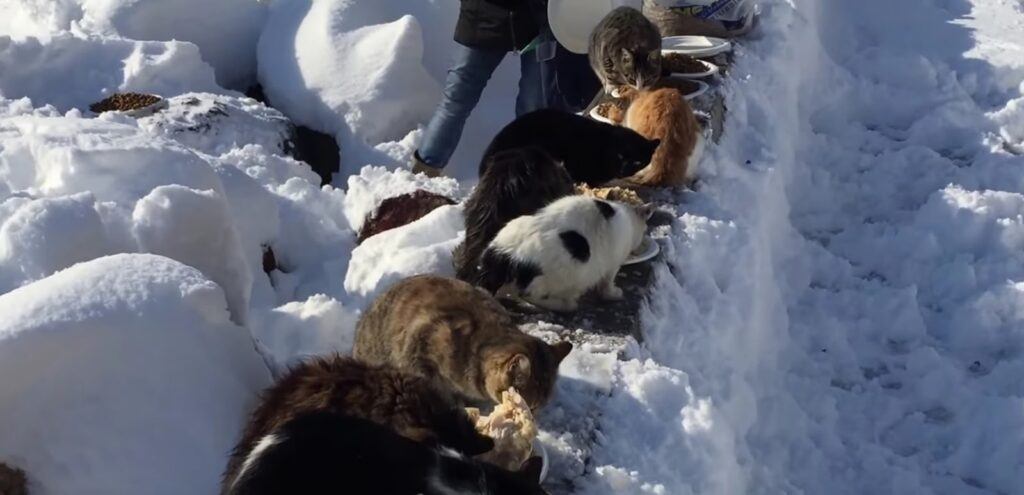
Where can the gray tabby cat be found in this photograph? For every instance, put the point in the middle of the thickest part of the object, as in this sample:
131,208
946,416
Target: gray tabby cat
625,49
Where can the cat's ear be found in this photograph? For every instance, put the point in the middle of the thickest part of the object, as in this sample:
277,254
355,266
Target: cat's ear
646,210
654,143
531,468
519,367
561,349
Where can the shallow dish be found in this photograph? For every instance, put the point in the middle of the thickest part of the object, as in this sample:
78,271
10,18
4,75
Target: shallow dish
695,46
648,249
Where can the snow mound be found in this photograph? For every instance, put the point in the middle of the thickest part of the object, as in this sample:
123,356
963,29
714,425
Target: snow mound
126,361
328,70
373,185
48,234
319,325
216,124
226,31
115,161
195,227
423,246
72,72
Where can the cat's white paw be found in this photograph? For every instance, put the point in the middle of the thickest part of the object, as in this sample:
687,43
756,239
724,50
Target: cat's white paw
612,293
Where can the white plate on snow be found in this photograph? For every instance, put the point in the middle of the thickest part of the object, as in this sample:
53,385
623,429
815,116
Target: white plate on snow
594,114
711,69
148,109
572,21
538,448
648,249
695,46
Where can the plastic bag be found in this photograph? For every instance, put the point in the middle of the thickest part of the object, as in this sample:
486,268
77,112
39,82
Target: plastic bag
732,14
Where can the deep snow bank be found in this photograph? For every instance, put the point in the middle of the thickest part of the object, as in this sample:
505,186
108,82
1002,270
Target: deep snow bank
326,69
72,72
123,375
224,31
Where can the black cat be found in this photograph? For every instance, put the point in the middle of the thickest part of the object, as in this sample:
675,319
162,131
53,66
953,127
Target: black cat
516,182
327,453
592,152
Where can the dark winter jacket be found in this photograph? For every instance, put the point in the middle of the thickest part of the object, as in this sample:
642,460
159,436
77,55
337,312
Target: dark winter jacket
500,24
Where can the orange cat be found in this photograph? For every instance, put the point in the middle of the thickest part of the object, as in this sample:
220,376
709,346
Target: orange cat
663,113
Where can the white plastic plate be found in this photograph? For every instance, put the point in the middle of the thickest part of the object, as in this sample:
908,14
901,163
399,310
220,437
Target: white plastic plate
695,46
702,87
594,114
572,21
148,109
539,448
648,249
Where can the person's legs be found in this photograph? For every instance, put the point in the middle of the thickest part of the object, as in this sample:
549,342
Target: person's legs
465,83
553,77
538,81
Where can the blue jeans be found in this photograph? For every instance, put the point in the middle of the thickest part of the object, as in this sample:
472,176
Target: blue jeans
538,88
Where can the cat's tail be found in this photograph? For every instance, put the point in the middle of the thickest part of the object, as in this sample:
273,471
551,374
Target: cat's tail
467,256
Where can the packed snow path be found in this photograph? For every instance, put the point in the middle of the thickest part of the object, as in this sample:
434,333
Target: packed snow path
843,313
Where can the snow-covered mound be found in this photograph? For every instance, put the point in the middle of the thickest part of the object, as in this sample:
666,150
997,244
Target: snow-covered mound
423,246
216,124
123,375
319,325
327,70
225,31
72,72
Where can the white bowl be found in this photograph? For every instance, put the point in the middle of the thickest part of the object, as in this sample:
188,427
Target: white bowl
594,114
695,46
648,249
539,447
572,21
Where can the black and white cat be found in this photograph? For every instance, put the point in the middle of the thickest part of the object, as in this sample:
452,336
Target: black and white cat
518,181
572,245
324,453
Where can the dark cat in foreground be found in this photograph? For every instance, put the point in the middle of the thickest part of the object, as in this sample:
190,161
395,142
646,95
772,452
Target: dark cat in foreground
326,453
592,152
412,406
517,182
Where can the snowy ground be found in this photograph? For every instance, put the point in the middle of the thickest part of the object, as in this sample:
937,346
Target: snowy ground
840,306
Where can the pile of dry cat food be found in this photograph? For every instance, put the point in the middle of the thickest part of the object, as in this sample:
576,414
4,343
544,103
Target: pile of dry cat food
123,102
613,193
678,63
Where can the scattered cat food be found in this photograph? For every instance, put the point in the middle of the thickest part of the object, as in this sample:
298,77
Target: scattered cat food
512,427
613,193
679,63
401,210
612,111
124,102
